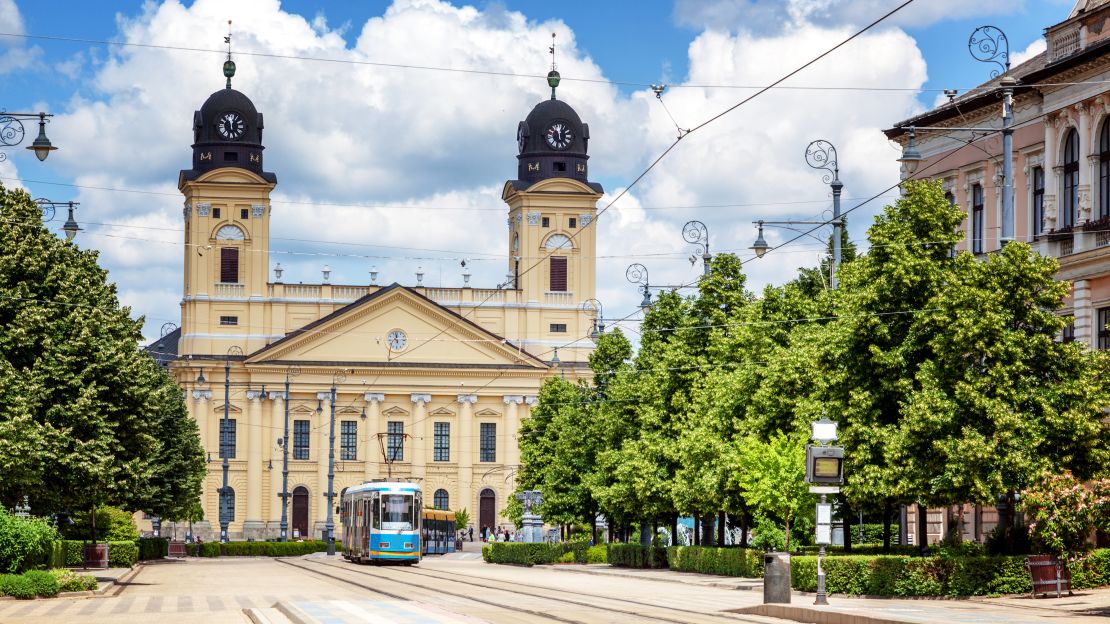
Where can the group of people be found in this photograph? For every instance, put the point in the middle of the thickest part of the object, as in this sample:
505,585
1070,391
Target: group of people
497,535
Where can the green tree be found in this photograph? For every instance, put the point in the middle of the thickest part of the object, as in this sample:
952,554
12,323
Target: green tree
773,479
178,467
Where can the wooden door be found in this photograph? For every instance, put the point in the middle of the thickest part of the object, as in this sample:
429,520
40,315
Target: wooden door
487,516
300,511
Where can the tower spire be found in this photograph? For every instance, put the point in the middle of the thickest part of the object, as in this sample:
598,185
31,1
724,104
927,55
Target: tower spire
229,65
552,76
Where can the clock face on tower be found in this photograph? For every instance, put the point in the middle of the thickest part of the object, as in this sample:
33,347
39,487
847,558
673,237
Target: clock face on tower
396,340
521,137
558,135
230,125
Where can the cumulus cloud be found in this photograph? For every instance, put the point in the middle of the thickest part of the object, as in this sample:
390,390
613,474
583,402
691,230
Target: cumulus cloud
398,168
1033,49
14,53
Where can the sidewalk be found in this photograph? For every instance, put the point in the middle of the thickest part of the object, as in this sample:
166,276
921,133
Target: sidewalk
1083,606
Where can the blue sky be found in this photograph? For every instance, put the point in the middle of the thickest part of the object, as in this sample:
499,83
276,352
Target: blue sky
124,116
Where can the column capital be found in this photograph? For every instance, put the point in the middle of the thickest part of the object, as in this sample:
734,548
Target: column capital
277,395
530,400
203,395
468,398
255,395
513,399
417,397
370,397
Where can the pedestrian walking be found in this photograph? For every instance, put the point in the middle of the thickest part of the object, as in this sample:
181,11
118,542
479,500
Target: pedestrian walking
471,529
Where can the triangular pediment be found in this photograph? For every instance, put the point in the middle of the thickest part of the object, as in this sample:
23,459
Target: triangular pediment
231,409
395,411
300,409
443,411
357,334
487,412
347,411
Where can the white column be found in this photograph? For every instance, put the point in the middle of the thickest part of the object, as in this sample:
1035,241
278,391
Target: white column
464,454
372,447
419,437
1084,325
199,410
254,461
275,459
1051,180
509,426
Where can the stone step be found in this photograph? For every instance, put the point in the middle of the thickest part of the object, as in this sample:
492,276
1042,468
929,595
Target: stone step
267,615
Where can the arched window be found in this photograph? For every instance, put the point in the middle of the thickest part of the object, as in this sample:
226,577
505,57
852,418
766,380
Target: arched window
227,504
558,241
1069,204
440,499
1104,171
230,232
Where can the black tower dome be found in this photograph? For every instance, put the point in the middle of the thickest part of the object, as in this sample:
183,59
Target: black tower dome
227,132
552,141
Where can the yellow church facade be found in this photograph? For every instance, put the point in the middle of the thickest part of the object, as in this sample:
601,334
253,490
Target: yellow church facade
431,384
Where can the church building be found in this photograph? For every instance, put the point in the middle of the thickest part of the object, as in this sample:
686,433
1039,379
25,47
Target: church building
428,384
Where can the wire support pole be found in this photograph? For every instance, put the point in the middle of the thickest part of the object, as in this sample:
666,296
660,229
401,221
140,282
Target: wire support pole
225,448
329,526
822,598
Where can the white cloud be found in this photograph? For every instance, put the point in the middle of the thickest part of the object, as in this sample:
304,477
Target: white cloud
370,156
14,54
776,14
1033,49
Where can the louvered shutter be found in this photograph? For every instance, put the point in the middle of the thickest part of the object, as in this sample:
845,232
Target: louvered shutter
558,274
229,265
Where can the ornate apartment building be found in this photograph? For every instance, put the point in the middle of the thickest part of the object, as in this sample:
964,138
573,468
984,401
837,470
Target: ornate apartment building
431,384
1061,164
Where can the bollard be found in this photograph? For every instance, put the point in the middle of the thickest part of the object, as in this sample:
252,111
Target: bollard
776,578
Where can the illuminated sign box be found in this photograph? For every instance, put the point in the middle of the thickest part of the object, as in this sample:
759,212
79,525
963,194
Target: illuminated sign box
824,464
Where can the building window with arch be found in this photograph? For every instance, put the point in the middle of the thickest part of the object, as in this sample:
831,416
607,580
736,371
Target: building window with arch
1069,204
1038,201
977,218
1104,171
440,499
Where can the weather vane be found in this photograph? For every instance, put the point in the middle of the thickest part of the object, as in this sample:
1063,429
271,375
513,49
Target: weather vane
553,75
229,65
552,51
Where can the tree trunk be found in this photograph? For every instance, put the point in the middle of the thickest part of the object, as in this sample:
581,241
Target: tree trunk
593,530
887,511
645,538
697,531
674,529
922,528
721,528
94,524
786,544
846,522
707,530
744,517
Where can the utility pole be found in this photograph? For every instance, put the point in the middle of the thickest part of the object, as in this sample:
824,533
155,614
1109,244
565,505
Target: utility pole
225,492
284,495
329,526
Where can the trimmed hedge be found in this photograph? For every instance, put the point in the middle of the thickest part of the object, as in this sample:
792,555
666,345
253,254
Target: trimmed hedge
257,549
637,556
521,553
153,548
724,561
863,549
120,554
597,554
936,576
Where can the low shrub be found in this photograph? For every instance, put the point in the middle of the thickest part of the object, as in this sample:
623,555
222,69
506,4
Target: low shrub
123,554
69,581
913,576
44,583
709,560
597,554
637,556
25,543
1091,570
521,553
256,549
114,525
17,586
153,548
862,549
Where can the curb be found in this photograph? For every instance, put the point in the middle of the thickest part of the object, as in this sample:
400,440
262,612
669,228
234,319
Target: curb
812,616
294,614
719,585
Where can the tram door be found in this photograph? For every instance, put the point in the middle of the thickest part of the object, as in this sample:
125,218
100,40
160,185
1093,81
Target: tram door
300,511
486,510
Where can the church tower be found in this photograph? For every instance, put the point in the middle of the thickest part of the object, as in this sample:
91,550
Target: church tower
227,226
552,234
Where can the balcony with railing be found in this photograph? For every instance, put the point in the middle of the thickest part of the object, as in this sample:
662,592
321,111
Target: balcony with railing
223,290
343,294
1064,43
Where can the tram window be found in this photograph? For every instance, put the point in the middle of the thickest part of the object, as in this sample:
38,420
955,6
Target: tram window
397,512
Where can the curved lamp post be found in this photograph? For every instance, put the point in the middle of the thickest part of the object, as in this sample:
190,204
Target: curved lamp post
696,233
12,133
48,210
592,308
821,154
987,44
638,274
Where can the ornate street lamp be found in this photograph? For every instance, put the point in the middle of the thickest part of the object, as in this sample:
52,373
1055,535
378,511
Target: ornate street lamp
821,154
48,210
696,233
592,308
225,492
638,274
12,133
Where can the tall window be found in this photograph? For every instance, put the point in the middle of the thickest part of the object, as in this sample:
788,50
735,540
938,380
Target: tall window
301,436
1104,171
977,218
488,448
1038,201
442,442
395,445
348,440
229,265
1068,335
1069,204
1103,333
227,438
558,274
440,499
227,504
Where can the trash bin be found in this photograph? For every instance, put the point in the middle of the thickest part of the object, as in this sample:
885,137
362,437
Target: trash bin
776,578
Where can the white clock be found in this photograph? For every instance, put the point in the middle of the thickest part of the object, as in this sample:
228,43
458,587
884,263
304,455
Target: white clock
396,340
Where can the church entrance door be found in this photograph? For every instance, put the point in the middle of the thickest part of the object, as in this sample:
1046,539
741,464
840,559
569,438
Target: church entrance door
300,511
487,515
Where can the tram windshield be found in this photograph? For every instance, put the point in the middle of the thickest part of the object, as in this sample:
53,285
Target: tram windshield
397,512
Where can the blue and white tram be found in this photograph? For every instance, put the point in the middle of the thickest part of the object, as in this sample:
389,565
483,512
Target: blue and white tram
381,522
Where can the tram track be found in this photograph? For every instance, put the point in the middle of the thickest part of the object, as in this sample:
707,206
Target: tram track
510,608
639,613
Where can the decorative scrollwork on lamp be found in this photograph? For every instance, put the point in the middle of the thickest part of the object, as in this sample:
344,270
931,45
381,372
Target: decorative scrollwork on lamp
988,44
